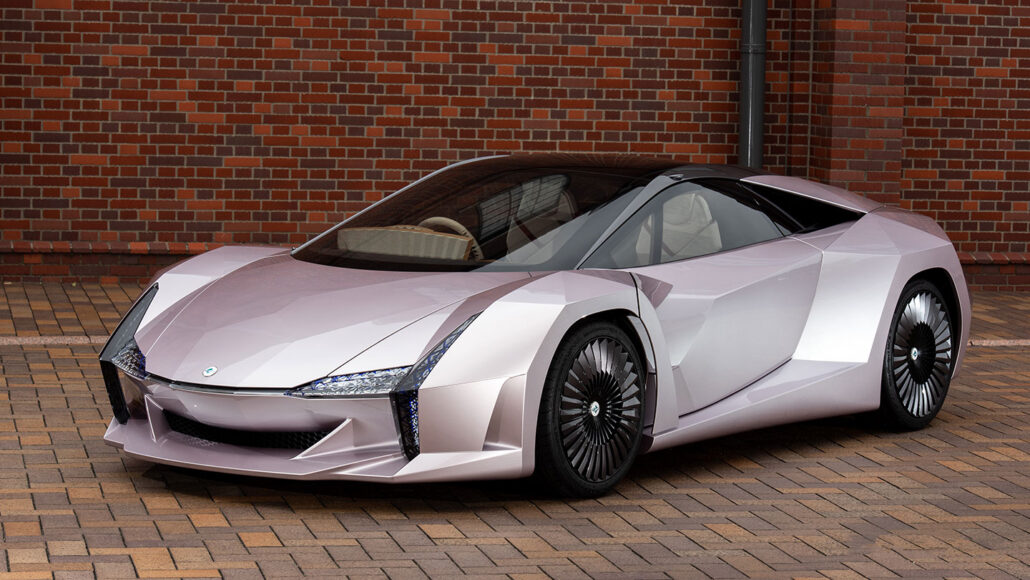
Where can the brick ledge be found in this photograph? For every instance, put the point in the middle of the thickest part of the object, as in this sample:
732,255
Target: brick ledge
154,248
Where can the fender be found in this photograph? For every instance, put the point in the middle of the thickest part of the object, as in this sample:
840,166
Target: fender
190,275
517,336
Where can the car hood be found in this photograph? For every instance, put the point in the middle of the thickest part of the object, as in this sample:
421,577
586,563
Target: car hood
279,322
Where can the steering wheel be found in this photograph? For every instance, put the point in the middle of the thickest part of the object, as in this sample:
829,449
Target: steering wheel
446,222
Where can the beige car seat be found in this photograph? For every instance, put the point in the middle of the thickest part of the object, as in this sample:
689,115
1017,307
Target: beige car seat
688,229
410,241
529,223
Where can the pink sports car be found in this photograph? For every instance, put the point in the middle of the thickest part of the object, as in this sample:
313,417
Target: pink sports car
553,315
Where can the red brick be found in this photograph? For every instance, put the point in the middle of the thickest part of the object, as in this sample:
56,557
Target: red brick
614,41
88,160
242,161
850,24
992,72
53,4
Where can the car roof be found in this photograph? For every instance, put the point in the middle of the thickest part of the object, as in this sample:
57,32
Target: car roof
608,162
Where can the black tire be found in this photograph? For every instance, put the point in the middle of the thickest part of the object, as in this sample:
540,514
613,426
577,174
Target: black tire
591,413
919,358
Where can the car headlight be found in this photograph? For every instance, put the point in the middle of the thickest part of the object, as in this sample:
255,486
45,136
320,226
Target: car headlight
368,384
121,352
131,360
405,396
401,384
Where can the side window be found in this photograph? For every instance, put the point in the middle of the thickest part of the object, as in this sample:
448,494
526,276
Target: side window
808,214
686,220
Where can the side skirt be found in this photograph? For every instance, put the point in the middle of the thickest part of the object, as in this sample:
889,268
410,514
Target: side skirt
799,390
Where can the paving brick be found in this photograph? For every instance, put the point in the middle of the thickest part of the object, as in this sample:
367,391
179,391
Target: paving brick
209,520
259,539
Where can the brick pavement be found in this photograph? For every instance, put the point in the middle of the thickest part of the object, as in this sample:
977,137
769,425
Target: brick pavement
838,498
63,309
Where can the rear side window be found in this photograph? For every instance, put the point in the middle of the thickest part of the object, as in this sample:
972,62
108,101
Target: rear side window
808,214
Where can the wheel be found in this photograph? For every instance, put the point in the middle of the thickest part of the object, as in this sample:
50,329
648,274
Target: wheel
919,358
456,227
591,412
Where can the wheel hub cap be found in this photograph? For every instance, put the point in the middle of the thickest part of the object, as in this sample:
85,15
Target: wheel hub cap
595,409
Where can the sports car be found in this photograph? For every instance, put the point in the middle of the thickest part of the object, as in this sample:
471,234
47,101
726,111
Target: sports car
554,315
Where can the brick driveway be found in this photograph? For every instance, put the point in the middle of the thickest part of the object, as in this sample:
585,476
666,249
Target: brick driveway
826,499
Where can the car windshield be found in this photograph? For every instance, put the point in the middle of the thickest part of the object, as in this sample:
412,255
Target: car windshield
496,214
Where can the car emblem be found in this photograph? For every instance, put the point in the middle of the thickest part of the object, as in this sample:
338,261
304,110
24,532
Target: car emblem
210,371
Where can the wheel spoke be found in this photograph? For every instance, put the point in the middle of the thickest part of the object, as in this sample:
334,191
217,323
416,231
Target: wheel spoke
575,384
621,443
936,388
901,338
577,450
572,422
571,402
573,437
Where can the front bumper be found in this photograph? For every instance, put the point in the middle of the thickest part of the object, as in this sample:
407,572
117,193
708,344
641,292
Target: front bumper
357,438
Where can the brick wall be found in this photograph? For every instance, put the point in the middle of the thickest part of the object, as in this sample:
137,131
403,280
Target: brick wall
137,132
790,35
966,151
859,93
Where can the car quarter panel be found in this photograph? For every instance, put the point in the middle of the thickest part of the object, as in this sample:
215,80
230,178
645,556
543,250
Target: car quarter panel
864,272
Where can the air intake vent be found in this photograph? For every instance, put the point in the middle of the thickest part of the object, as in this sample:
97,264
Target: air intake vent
263,439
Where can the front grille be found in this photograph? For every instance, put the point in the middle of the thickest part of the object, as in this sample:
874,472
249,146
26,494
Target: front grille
264,439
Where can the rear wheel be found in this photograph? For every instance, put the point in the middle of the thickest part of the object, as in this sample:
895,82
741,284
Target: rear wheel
919,358
591,413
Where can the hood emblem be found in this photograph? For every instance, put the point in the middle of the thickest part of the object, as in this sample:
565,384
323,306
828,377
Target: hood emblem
210,371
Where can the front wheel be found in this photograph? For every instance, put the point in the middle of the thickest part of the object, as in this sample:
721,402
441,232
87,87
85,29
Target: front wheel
919,359
591,412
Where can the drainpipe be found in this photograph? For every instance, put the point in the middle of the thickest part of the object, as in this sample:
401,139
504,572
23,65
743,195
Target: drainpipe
752,83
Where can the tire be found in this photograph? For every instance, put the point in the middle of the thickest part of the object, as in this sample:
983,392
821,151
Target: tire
591,413
919,358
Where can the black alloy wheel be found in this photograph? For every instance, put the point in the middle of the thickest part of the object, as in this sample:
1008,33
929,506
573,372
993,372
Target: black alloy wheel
591,415
919,358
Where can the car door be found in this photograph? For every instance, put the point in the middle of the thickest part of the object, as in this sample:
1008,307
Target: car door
731,291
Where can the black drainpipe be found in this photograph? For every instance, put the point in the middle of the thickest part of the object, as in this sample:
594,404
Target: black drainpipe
752,83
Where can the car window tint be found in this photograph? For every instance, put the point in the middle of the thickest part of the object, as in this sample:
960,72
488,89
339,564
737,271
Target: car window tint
686,220
491,215
809,214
